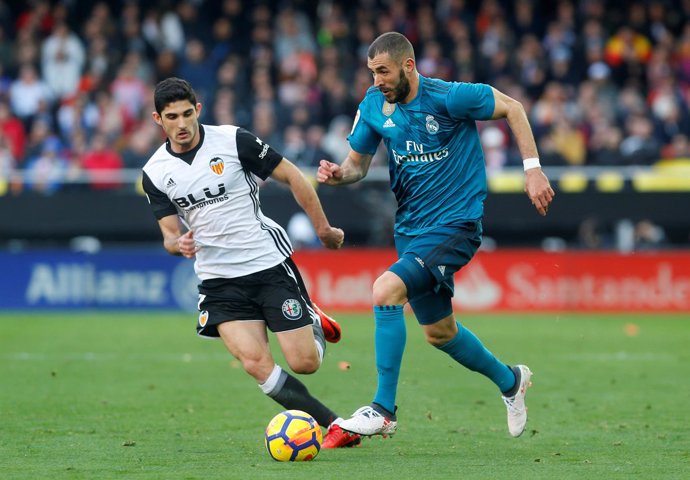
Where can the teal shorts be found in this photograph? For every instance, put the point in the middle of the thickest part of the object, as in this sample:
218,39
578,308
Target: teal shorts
427,262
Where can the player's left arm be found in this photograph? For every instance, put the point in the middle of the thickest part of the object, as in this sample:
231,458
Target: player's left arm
305,195
537,186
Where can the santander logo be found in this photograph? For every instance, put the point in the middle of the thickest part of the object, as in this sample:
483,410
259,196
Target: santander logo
475,289
519,280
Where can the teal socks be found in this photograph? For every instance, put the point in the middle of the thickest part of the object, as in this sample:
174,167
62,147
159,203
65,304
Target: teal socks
468,350
390,338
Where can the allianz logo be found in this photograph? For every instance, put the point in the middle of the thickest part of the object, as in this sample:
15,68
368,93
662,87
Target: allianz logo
83,284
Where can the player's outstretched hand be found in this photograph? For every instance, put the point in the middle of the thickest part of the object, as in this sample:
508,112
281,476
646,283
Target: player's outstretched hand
332,238
328,172
538,189
186,245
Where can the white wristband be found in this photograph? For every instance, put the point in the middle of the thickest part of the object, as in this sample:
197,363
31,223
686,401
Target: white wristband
529,163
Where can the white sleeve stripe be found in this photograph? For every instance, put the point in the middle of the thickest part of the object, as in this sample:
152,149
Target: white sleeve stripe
282,243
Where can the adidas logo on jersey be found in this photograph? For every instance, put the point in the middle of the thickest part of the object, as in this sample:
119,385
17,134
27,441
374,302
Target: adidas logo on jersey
389,124
171,183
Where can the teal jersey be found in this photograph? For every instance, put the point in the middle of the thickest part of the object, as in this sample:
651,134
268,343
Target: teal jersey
435,158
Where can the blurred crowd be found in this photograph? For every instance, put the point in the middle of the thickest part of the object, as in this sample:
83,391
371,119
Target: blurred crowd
603,82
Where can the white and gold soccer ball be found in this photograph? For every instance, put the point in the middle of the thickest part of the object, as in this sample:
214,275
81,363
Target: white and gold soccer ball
293,436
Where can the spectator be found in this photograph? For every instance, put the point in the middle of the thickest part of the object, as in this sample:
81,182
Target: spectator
102,163
670,116
41,131
293,36
62,61
7,162
335,140
45,172
165,65
526,20
605,146
100,60
7,49
494,145
231,76
36,18
649,236
568,141
588,77
314,151
196,67
433,63
163,29
639,147
593,235
28,95
301,232
626,52
294,145
678,148
682,56
530,65
194,21
140,145
264,125
129,93
223,107
12,132
222,44
112,117
236,12
77,113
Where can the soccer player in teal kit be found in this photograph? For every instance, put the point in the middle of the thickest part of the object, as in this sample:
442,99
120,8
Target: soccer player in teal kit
438,176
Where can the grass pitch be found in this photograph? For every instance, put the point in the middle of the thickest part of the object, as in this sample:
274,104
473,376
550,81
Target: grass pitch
89,395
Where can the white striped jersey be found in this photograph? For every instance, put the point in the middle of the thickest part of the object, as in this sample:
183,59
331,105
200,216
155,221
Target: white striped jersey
214,190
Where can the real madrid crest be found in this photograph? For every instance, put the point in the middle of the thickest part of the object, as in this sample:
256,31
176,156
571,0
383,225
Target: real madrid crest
218,165
388,109
431,125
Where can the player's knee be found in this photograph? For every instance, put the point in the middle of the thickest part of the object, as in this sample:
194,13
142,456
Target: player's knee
440,333
388,290
258,368
438,340
305,364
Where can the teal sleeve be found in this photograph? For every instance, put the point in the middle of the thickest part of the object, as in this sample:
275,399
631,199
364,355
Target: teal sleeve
363,139
470,101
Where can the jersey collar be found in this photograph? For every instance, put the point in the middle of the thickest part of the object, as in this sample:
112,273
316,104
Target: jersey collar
187,157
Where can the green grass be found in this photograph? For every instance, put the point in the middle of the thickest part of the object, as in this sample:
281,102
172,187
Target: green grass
100,396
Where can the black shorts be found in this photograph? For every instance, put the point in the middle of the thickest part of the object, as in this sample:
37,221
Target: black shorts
276,295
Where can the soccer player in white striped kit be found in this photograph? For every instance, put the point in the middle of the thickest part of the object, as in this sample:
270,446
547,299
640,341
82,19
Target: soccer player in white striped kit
202,187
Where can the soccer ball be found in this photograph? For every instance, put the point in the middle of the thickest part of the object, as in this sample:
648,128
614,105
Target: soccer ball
293,436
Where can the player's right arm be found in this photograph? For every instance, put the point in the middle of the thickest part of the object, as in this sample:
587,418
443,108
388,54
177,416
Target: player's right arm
174,241
362,138
353,169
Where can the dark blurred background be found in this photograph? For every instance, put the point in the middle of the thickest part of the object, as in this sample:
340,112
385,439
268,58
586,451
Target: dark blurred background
606,85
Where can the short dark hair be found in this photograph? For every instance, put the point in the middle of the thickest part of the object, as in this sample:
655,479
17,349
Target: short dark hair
171,90
395,44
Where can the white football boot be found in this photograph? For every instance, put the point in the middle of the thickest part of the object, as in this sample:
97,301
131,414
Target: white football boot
517,410
367,421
